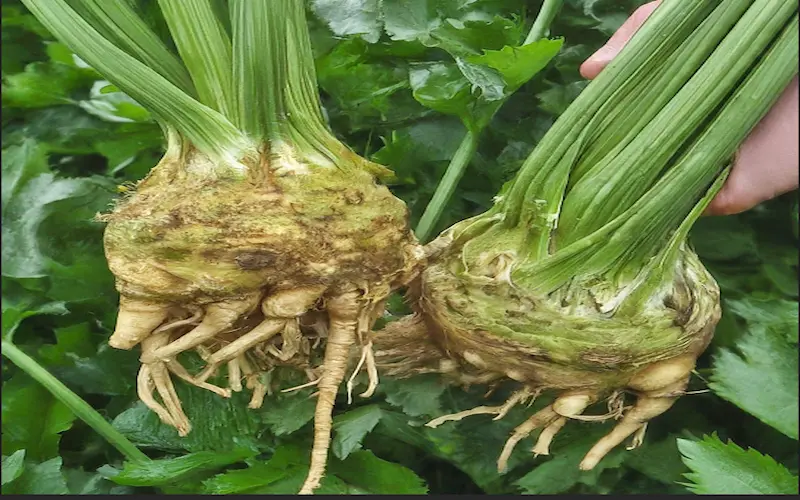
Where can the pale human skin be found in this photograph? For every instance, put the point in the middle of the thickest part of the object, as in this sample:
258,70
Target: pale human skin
766,164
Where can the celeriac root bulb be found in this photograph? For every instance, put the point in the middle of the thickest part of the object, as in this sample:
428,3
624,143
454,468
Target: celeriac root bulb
259,240
276,247
293,236
579,280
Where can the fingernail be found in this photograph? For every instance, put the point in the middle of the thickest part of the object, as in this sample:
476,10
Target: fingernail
603,55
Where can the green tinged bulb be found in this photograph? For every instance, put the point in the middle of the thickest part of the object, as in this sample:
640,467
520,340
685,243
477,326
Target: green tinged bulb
189,236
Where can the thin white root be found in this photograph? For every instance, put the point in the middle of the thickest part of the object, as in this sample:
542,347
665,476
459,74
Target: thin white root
259,389
372,373
455,417
543,417
367,316
166,390
659,386
179,370
204,352
247,370
516,398
218,317
207,372
352,379
484,378
500,411
253,382
235,375
291,303
157,375
196,315
274,352
638,438
144,389
542,446
292,338
568,405
301,386
261,333
257,401
633,420
616,407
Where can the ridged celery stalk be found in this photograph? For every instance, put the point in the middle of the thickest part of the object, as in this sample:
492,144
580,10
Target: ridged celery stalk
469,144
579,279
258,234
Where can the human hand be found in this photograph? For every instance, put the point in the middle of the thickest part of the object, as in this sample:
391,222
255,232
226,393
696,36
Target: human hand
766,164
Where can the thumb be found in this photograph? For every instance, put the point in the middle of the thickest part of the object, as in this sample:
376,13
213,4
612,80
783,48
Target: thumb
600,59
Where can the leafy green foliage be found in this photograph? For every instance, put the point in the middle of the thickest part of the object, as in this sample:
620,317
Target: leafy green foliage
288,414
41,84
30,195
170,470
420,398
13,466
225,424
32,419
763,381
352,427
517,65
17,308
80,362
725,468
259,475
402,82
80,482
45,478
659,460
382,477
285,471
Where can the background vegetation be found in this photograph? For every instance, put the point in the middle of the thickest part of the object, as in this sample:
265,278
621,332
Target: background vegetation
69,148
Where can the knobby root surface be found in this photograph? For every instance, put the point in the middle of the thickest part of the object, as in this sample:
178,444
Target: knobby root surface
656,389
213,333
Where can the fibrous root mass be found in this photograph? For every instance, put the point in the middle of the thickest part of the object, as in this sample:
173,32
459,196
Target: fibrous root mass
292,269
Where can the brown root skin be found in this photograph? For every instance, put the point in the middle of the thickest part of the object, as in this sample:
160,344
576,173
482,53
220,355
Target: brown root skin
403,348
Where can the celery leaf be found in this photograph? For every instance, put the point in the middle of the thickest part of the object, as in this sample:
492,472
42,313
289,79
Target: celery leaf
762,380
726,469
45,478
350,429
32,419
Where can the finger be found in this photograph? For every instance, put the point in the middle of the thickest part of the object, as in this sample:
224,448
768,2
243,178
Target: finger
766,165
600,59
